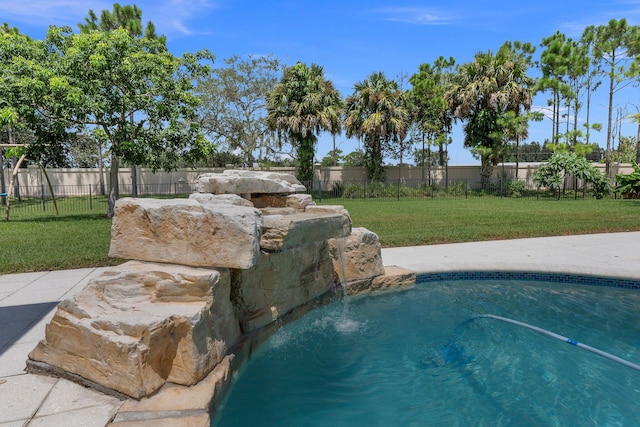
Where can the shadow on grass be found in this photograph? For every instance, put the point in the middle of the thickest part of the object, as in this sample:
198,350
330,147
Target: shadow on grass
60,218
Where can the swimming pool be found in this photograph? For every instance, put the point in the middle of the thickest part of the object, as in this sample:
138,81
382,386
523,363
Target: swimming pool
423,357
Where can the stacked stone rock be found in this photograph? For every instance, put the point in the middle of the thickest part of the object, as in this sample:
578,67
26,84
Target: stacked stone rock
207,271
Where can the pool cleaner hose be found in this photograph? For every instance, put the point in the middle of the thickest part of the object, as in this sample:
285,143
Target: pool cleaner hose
565,339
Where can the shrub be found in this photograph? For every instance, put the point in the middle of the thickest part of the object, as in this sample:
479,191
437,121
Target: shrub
552,173
427,190
515,188
337,189
353,191
375,190
629,185
457,189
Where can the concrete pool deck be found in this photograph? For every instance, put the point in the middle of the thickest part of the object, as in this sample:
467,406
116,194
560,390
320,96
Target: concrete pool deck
27,303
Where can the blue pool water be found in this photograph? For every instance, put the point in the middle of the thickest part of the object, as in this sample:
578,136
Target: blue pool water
421,357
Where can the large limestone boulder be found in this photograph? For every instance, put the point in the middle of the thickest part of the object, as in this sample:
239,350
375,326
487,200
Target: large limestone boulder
394,279
221,199
281,232
299,201
280,282
140,325
248,182
187,232
358,256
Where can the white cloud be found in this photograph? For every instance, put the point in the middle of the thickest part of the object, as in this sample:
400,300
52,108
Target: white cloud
175,16
415,15
169,16
50,12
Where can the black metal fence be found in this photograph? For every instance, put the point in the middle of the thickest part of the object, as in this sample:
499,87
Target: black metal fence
403,189
79,198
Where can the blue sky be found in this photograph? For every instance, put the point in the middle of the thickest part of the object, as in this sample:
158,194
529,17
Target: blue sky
353,38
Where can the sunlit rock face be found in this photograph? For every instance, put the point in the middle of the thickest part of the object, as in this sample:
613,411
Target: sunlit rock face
357,256
207,272
249,182
186,232
139,325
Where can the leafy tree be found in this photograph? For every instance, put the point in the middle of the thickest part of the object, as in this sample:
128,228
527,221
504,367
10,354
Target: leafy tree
515,127
377,112
483,91
128,18
636,119
137,96
530,152
85,151
354,159
25,77
424,158
125,17
591,81
220,159
614,47
233,103
592,152
333,158
562,63
433,118
300,106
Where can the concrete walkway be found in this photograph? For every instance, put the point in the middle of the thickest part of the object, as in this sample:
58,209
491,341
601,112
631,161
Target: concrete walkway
27,302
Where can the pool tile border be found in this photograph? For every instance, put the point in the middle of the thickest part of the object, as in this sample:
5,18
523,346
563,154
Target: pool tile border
569,278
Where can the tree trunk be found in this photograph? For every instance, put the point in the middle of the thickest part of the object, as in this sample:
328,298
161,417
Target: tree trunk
638,144
556,118
3,184
335,157
53,196
429,161
486,170
575,122
101,169
422,157
134,181
14,186
306,150
14,161
517,156
588,121
446,168
113,185
609,119
14,178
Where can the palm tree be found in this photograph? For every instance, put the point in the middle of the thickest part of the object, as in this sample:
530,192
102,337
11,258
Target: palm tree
299,107
377,111
482,93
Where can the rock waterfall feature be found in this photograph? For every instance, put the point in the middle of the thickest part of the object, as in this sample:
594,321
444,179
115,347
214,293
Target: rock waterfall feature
207,275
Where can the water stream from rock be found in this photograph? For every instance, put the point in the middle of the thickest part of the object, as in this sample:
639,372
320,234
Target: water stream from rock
344,324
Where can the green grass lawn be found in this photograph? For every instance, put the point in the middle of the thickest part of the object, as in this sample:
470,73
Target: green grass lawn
29,243
33,242
420,222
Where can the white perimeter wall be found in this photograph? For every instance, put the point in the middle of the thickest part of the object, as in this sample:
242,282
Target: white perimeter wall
32,176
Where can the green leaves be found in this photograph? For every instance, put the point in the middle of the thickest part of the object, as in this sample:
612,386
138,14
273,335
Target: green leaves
300,106
378,112
629,185
561,164
8,117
